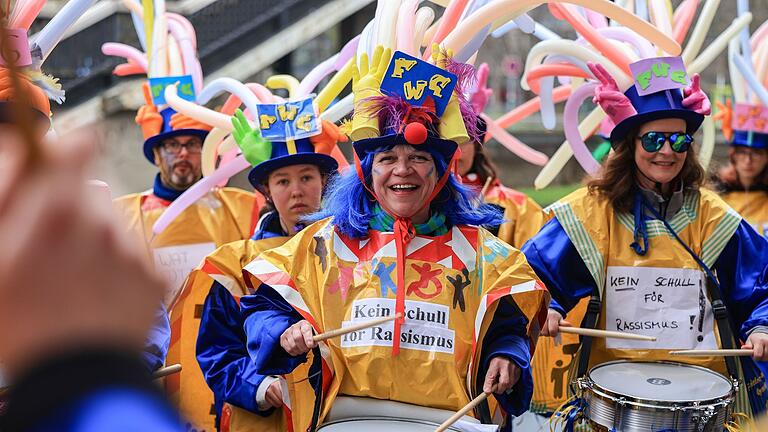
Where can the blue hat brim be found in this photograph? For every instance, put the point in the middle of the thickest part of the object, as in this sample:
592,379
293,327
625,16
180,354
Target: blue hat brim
154,141
742,139
445,147
692,119
260,172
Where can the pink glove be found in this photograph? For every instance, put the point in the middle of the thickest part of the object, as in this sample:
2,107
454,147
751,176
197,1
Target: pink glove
694,97
609,96
482,93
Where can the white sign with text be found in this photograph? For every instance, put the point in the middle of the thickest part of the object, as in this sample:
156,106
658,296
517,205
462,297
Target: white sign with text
668,303
425,327
176,262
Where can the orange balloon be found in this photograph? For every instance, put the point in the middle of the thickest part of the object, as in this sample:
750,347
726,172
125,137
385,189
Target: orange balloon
683,18
525,110
448,21
603,45
546,70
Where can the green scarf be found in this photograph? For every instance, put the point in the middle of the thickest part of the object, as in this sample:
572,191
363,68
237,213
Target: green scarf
435,226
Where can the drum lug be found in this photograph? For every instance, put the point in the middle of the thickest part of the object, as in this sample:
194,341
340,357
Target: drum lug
701,418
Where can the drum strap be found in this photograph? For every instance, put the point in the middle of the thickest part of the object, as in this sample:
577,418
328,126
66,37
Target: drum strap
714,291
315,377
589,322
727,338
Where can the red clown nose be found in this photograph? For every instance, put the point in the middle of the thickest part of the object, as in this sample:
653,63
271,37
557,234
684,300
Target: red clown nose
415,133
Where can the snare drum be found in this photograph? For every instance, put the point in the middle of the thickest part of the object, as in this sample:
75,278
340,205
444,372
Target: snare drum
653,396
358,414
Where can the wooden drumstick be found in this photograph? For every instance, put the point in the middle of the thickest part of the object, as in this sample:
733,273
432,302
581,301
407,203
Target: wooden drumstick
462,412
486,186
353,328
606,334
713,353
168,370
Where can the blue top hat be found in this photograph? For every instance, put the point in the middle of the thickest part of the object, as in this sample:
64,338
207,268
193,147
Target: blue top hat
168,132
750,139
287,153
655,106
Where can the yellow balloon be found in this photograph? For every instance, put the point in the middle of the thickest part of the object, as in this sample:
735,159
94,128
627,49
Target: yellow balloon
285,81
718,45
696,40
564,153
708,142
208,156
335,86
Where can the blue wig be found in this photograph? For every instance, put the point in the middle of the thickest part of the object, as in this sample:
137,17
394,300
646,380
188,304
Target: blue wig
351,205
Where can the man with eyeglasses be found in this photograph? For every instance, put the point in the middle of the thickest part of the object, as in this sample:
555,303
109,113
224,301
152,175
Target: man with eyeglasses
174,143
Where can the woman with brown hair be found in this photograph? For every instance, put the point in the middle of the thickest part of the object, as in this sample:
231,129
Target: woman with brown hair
641,227
743,183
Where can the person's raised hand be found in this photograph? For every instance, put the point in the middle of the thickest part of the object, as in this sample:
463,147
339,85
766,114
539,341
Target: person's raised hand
69,277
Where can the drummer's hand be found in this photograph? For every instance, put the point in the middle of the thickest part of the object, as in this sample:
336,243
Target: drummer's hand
758,342
274,395
502,375
553,324
297,339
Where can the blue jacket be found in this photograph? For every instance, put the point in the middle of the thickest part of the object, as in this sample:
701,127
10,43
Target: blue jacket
221,343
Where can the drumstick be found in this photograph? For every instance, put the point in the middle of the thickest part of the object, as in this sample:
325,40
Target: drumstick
168,370
486,186
606,334
354,328
460,413
713,353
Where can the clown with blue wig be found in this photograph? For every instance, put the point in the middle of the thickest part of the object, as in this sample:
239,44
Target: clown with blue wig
399,236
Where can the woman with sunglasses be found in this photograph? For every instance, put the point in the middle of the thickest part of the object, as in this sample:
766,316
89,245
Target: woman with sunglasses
743,183
643,241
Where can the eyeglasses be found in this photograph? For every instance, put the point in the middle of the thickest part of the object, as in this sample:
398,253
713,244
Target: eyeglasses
654,141
194,145
744,152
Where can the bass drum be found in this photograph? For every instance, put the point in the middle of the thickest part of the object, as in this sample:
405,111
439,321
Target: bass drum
627,396
357,414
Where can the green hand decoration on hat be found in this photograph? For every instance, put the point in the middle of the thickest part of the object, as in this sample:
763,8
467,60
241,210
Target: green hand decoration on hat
255,148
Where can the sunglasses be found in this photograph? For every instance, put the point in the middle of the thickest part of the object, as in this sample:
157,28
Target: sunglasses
654,141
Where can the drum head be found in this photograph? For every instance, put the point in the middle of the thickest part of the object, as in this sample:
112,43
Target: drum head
658,381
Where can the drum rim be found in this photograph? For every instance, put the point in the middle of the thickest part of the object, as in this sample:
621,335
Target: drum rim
596,388
393,419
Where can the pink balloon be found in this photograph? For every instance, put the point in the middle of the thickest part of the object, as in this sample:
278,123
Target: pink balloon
406,23
188,54
571,128
683,17
125,51
194,193
225,159
262,93
187,26
513,144
447,23
346,53
597,19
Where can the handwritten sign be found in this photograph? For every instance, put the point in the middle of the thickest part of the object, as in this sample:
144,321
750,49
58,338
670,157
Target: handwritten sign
416,80
657,74
668,303
425,328
176,262
16,49
185,89
289,120
750,118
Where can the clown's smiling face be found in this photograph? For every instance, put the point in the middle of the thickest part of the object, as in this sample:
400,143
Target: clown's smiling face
403,179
